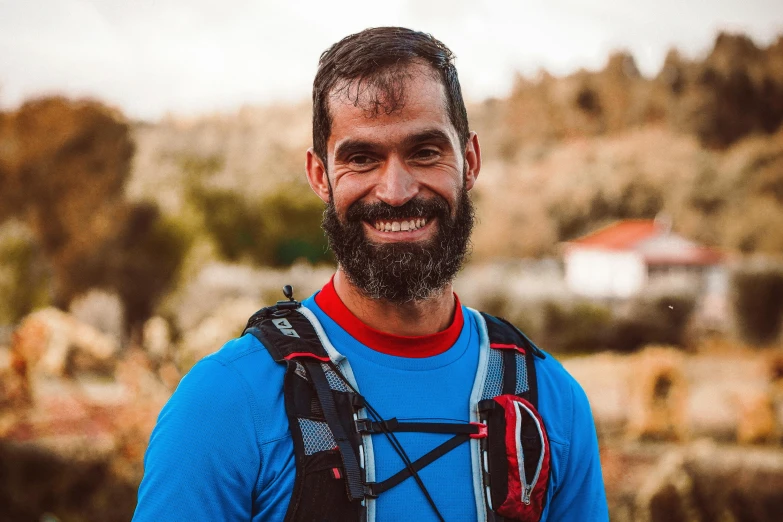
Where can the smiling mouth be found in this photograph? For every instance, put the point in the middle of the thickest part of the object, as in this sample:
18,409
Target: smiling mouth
399,225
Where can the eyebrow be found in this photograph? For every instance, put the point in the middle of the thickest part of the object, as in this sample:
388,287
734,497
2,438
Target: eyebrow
349,147
425,136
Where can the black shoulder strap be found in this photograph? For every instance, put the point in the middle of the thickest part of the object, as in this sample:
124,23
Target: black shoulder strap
291,339
508,338
286,333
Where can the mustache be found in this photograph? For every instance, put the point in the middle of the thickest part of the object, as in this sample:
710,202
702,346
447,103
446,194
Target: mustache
426,208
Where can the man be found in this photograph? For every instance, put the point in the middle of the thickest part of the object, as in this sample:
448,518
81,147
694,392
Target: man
393,160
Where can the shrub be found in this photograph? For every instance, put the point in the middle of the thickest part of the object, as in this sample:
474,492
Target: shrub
66,163
236,228
145,260
274,231
757,302
660,319
293,216
576,329
24,274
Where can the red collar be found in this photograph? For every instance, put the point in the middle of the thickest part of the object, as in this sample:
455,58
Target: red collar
390,344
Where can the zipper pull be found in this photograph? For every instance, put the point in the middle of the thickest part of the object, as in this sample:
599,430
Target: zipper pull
526,495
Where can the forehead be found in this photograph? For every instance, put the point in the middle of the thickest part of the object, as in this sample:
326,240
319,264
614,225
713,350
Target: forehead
404,102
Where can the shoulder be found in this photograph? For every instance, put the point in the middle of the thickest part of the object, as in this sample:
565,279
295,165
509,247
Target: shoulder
561,399
577,483
239,381
212,431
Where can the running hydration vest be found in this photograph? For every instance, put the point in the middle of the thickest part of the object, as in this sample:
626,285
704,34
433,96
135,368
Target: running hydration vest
331,424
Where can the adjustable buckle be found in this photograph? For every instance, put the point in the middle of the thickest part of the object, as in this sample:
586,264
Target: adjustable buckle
368,490
482,431
357,401
364,426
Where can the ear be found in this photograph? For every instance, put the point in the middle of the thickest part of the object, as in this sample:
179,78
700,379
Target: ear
317,175
472,160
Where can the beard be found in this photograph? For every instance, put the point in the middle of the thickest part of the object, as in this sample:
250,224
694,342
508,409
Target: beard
401,272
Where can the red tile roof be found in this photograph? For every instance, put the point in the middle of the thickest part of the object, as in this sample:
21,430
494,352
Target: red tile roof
622,235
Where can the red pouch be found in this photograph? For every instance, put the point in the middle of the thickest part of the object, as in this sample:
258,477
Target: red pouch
518,459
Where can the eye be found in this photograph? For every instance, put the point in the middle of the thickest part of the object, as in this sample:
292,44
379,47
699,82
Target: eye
362,161
426,154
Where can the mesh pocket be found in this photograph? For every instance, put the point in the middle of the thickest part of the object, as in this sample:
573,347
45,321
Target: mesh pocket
317,436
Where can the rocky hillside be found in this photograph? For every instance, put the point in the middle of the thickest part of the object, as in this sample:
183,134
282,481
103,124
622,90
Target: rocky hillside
563,156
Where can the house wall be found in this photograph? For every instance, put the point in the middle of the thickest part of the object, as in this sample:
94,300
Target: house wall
604,273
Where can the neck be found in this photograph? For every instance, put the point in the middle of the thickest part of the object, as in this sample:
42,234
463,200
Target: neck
410,319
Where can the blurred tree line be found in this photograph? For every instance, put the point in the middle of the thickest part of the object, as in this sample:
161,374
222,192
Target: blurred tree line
702,141
733,92
66,225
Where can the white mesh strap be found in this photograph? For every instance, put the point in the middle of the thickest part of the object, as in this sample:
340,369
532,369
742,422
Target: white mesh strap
476,396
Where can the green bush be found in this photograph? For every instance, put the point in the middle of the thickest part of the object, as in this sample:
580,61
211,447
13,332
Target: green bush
293,217
757,303
576,329
589,326
274,231
236,228
24,274
652,320
145,260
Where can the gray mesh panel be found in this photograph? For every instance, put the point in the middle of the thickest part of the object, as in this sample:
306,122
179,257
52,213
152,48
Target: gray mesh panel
335,382
522,384
317,436
494,383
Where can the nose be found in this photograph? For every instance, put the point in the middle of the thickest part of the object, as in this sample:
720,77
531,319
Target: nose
398,185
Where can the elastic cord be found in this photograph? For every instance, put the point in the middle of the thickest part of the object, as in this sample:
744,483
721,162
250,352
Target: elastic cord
396,445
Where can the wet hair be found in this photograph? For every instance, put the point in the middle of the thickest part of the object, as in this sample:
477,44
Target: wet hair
377,62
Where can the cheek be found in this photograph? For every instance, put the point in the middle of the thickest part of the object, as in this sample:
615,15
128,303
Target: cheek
343,198
447,187
349,188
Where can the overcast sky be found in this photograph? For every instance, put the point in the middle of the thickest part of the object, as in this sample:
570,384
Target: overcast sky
150,57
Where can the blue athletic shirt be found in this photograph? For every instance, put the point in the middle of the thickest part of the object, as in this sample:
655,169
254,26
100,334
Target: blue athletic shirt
222,449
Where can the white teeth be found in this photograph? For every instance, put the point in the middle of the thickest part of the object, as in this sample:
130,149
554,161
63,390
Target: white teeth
397,226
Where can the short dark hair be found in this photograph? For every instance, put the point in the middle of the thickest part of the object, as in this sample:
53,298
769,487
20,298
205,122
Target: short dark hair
376,56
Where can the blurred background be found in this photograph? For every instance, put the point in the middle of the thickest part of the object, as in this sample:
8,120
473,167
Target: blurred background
630,209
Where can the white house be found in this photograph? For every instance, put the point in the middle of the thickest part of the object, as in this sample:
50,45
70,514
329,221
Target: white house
617,261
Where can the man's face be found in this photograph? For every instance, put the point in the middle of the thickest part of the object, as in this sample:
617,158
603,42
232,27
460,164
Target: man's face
398,216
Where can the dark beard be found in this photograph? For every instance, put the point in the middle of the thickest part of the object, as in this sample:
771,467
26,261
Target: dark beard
401,272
